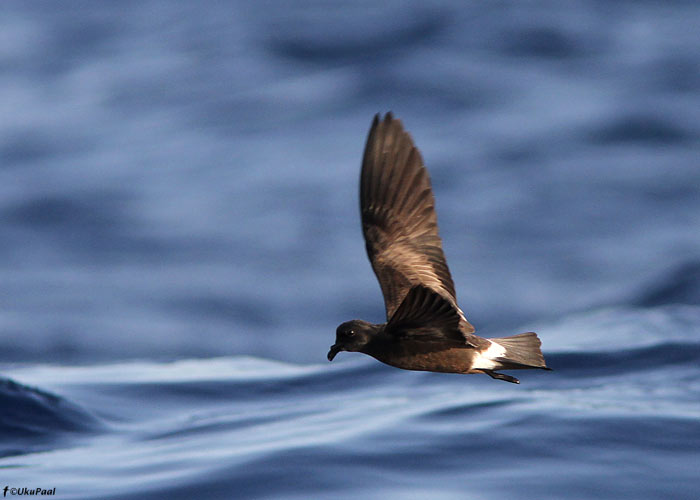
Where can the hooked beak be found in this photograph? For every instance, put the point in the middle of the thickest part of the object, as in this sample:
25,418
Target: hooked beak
335,349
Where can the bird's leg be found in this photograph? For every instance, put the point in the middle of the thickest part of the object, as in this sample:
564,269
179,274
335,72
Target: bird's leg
501,376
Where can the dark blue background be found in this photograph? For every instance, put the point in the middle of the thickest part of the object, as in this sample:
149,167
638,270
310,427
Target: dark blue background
179,237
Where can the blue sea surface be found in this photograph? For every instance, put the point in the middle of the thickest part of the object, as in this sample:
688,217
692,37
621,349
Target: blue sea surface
180,237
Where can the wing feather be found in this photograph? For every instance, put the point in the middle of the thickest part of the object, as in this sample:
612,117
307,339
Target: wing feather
399,220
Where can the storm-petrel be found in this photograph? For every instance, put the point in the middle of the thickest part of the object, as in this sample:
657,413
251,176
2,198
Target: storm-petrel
425,328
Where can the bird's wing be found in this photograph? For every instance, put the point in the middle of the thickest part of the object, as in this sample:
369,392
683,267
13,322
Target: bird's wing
399,220
427,316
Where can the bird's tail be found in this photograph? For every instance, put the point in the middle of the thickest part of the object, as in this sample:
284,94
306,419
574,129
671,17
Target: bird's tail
521,352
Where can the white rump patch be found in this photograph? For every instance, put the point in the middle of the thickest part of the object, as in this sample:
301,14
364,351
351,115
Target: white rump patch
485,359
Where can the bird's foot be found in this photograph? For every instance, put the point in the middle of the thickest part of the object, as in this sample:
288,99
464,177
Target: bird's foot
501,376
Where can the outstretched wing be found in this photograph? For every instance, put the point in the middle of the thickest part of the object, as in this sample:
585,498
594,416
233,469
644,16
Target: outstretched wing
399,220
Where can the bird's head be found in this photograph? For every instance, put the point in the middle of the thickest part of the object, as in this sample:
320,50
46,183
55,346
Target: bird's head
352,336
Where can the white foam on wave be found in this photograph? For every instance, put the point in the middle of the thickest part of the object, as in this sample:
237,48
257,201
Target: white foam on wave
185,370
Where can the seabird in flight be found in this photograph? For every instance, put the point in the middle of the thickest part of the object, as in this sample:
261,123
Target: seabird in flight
425,328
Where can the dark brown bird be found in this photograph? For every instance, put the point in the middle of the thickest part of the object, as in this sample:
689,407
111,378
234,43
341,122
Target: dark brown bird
425,328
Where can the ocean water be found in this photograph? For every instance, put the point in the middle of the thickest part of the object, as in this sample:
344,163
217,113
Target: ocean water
179,238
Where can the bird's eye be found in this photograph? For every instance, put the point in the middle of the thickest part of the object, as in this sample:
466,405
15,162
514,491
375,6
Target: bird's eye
351,333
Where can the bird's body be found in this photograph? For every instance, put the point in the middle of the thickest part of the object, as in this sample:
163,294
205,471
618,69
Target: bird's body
425,329
416,355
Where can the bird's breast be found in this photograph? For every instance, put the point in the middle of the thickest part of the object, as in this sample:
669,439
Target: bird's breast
424,356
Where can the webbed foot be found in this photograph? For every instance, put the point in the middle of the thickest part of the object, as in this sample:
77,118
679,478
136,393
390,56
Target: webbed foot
501,376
